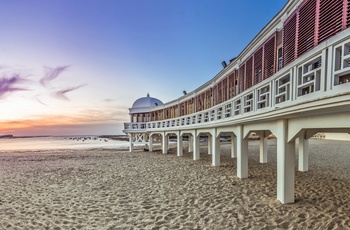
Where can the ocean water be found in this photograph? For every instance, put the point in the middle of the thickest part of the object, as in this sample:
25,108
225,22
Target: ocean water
337,136
69,142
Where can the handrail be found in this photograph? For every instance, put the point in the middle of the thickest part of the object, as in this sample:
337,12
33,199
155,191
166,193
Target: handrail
302,81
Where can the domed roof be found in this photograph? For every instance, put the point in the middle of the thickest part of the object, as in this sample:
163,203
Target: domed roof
147,101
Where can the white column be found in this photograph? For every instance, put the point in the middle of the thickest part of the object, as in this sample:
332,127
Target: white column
215,149
263,147
233,146
242,154
196,146
131,145
164,143
179,144
303,163
285,164
210,149
150,143
168,141
190,143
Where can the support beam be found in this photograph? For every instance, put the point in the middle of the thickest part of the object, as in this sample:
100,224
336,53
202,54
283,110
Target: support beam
190,143
263,147
233,146
165,143
179,145
150,143
215,148
242,154
303,163
131,144
210,148
285,164
196,147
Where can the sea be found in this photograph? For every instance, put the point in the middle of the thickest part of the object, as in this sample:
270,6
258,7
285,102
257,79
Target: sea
90,142
60,143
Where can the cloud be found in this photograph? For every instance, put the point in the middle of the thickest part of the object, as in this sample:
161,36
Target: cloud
51,74
60,94
10,84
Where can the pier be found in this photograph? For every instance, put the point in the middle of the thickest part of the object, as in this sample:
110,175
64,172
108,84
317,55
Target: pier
292,81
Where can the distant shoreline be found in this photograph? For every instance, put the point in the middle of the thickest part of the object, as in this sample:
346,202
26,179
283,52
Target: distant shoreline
112,137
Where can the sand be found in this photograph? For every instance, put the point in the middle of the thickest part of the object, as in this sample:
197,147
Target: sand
105,189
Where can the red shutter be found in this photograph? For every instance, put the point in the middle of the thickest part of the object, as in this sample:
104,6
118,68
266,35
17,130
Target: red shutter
330,21
258,66
231,80
249,73
289,36
306,23
270,57
348,14
241,75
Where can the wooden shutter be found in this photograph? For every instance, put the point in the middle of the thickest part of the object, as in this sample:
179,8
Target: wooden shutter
270,57
289,38
330,19
348,14
249,73
241,75
258,73
306,29
231,80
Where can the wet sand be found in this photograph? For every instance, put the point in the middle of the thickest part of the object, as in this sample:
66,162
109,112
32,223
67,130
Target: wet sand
106,189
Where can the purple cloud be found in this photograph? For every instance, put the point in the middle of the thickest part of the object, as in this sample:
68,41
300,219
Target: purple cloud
51,74
61,93
8,85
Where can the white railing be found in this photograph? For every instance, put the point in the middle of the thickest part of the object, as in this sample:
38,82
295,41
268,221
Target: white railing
321,73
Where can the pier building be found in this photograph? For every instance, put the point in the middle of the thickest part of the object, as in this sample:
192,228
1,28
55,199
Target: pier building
292,80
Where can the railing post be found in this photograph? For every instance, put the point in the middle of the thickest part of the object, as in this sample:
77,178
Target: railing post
329,62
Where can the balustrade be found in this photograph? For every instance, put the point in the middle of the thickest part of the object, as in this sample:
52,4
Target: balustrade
305,76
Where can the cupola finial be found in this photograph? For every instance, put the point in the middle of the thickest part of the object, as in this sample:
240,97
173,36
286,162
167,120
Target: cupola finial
147,94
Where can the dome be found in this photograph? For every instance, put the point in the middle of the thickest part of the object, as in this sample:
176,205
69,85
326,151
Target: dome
145,102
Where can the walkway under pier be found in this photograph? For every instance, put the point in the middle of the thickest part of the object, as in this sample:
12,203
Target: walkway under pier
286,131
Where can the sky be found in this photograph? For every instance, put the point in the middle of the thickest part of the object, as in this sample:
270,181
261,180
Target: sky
74,67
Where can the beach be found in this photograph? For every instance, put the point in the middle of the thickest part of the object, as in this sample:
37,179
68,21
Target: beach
109,189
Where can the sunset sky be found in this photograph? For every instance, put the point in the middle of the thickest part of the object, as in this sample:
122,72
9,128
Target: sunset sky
73,67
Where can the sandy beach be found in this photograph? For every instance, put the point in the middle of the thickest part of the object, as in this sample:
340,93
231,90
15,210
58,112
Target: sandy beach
106,189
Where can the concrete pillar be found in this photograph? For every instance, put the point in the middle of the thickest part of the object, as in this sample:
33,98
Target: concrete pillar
233,146
168,141
179,144
210,149
150,143
190,143
303,163
263,147
242,153
215,149
131,144
164,143
285,164
196,147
